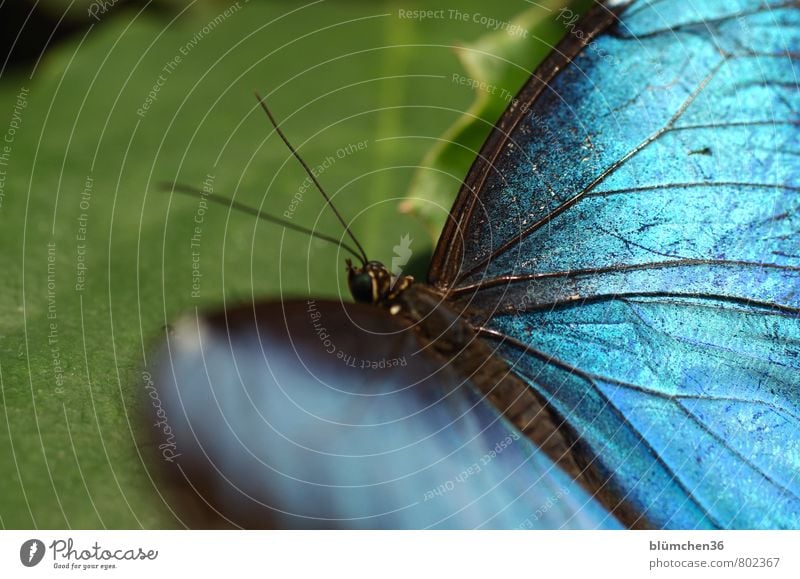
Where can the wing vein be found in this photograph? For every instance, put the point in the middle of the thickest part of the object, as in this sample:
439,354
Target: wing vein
599,178
572,370
574,273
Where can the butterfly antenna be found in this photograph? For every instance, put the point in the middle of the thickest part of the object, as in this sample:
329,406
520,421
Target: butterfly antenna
363,256
197,193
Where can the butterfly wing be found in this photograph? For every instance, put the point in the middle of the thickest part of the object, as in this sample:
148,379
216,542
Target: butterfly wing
320,414
631,232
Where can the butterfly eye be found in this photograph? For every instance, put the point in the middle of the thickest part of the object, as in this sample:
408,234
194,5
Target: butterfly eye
362,287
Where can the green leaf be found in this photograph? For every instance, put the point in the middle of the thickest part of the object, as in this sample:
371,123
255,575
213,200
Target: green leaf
495,67
97,10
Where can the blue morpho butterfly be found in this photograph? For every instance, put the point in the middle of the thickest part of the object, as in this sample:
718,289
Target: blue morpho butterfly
609,336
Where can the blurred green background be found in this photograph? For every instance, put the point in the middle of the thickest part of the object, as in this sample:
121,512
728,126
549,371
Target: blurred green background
97,260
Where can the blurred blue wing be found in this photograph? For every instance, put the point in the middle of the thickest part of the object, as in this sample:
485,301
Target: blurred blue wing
319,414
632,232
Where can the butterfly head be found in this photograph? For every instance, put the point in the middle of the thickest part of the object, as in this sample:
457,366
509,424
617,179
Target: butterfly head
374,284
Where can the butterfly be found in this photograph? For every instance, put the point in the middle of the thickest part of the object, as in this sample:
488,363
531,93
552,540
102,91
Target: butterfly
609,335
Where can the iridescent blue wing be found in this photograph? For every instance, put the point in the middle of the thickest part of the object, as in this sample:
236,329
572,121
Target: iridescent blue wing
321,414
631,232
